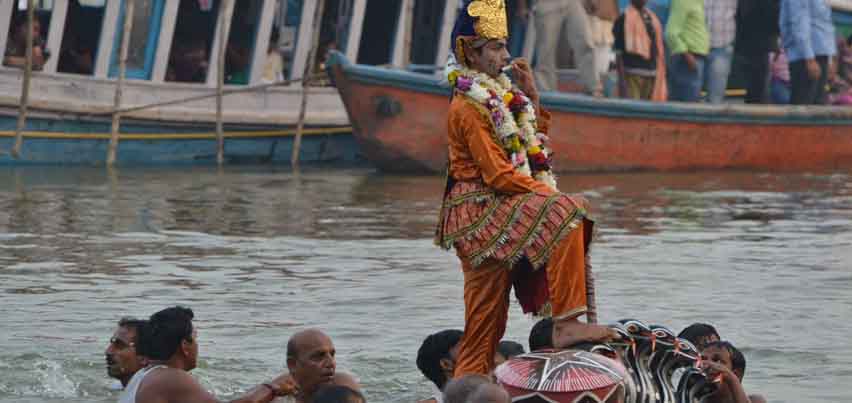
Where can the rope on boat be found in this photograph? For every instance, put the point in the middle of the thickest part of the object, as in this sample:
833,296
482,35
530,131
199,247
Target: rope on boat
309,68
119,87
227,11
253,88
25,86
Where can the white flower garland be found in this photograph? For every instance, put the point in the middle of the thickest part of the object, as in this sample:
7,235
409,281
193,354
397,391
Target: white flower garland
517,131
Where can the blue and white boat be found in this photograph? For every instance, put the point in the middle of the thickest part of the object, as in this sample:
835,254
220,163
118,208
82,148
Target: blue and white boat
71,101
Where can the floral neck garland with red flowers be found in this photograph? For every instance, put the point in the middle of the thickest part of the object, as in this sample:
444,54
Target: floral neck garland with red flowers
513,116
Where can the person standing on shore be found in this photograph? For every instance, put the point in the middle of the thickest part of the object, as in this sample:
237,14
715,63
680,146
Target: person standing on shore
640,54
565,21
807,34
501,210
689,43
722,27
757,36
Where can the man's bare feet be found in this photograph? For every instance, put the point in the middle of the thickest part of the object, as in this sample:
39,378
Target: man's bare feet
569,332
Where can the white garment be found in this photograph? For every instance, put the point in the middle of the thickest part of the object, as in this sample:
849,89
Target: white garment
129,394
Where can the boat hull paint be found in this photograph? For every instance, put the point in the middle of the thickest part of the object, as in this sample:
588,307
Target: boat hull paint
400,121
53,140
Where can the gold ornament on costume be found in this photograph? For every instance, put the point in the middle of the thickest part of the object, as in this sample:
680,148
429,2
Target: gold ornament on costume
491,20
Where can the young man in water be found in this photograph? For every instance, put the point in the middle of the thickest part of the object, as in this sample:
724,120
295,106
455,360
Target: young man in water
699,334
170,341
541,335
121,358
725,364
436,359
502,212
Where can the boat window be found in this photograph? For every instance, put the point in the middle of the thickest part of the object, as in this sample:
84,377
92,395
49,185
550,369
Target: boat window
143,39
377,37
80,38
286,28
238,55
334,31
16,43
426,32
195,30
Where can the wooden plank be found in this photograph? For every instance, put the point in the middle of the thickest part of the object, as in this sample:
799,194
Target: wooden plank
402,38
6,7
226,14
212,62
54,34
164,47
261,43
451,10
529,39
356,27
108,35
309,68
122,70
25,86
303,44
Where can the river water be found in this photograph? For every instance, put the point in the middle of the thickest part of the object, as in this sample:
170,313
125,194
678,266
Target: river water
260,253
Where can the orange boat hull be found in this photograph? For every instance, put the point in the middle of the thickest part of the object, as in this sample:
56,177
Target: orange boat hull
400,120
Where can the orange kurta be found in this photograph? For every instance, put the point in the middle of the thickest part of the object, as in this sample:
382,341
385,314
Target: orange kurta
505,226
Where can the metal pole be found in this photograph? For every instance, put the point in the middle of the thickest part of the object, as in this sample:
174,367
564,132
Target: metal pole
122,69
309,68
227,12
25,85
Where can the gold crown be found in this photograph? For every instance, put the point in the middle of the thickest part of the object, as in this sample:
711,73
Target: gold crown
491,18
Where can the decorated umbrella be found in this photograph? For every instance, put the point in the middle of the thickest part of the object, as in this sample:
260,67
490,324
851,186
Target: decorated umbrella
567,376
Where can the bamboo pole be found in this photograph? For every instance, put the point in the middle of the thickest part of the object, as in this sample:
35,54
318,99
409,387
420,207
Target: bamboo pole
591,298
122,70
224,28
309,68
25,85
408,35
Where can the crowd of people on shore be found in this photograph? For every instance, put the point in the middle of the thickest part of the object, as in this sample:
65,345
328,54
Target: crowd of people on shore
788,50
152,358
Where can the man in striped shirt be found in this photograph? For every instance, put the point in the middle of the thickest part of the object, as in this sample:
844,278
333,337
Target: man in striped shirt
722,26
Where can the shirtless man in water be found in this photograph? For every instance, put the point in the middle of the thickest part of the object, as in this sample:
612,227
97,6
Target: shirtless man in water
121,358
312,364
170,341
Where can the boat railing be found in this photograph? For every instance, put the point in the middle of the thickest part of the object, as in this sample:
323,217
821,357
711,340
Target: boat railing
219,92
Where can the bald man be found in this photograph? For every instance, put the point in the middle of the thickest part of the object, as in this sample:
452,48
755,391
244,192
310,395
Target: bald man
489,393
311,362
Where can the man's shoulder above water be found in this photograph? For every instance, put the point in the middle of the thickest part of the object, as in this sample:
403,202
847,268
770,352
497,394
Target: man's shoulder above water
171,385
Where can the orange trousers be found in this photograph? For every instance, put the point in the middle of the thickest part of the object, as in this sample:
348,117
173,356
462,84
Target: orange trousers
486,300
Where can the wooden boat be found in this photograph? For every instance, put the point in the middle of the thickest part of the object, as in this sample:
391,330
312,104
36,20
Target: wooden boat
399,120
168,121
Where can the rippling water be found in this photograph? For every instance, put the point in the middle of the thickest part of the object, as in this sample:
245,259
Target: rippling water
259,253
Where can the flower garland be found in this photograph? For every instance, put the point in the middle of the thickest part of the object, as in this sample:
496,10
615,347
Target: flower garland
513,116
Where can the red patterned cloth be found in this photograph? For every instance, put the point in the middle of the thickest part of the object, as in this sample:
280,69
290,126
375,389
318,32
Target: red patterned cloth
481,224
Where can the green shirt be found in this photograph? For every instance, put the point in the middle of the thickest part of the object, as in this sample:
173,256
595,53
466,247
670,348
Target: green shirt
686,30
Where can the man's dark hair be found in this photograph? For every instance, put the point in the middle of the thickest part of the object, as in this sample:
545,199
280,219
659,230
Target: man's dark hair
509,349
738,361
697,331
541,335
337,394
132,323
160,338
435,348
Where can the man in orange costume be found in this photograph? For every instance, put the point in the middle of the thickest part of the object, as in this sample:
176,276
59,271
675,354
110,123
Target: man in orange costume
501,211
